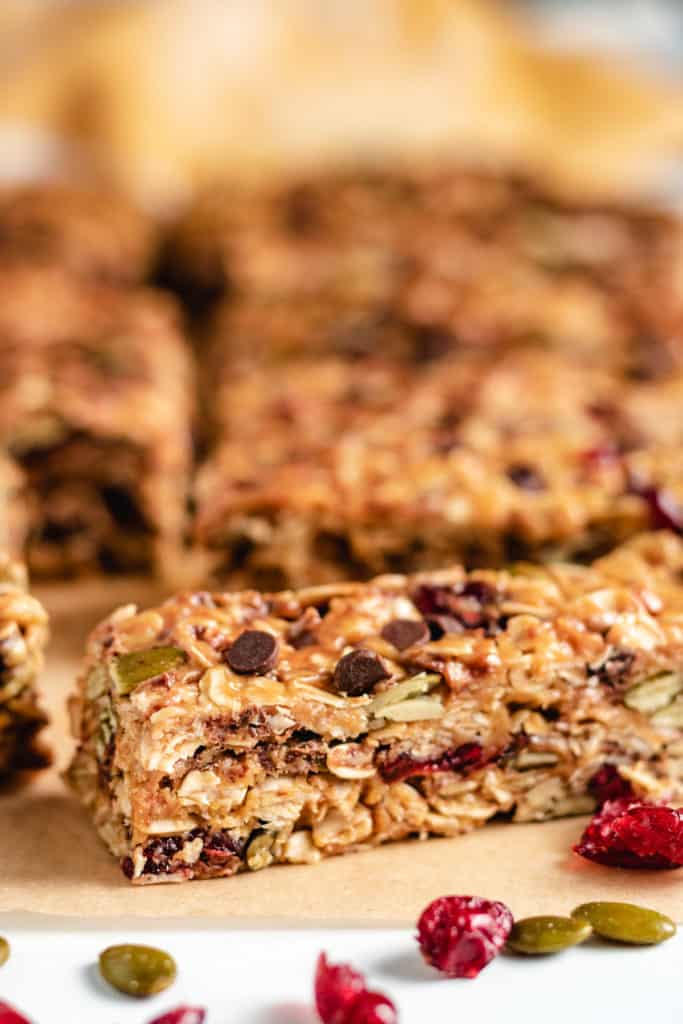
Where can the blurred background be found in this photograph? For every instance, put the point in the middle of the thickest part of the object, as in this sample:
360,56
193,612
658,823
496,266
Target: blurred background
164,96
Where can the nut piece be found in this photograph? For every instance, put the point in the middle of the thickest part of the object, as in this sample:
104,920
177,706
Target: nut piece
626,922
137,970
128,670
358,672
253,653
547,934
655,693
350,761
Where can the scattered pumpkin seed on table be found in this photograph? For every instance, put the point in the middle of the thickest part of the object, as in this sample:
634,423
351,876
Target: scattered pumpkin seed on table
547,934
626,922
137,970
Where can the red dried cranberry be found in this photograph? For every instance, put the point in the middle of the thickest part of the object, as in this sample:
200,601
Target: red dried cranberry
666,513
460,935
630,834
337,987
8,1015
472,604
468,755
372,1008
182,1015
608,784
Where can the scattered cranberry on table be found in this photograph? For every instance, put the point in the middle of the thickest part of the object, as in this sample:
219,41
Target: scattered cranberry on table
182,1015
342,997
460,935
628,833
8,1015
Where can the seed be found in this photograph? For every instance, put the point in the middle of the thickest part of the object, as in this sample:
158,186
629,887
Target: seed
415,686
259,852
130,669
547,934
137,970
653,694
4,951
670,717
418,709
626,922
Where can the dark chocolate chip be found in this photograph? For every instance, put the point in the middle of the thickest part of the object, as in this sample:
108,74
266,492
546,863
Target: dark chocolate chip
253,653
404,633
358,672
526,477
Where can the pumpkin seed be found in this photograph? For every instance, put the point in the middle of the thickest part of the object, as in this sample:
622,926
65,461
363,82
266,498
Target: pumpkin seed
626,922
547,934
654,693
259,852
137,970
670,717
416,710
405,690
128,670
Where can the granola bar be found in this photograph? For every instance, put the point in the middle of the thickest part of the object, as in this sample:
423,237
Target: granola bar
430,262
95,406
23,636
223,732
331,469
92,234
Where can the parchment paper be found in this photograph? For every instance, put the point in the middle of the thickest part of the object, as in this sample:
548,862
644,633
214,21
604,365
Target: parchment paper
52,862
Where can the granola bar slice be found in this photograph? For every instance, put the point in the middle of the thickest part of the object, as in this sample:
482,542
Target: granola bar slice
331,469
223,732
431,261
93,234
23,636
95,405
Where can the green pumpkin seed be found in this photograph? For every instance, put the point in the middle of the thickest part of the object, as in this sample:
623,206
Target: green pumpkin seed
655,693
137,970
416,686
128,670
626,922
4,951
547,934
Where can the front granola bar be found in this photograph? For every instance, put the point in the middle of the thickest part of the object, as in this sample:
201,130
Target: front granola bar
224,732
23,635
95,406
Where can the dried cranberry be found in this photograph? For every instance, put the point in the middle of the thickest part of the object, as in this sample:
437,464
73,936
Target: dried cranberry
337,987
627,833
182,1015
468,755
666,512
372,1008
341,997
608,784
460,935
472,604
8,1015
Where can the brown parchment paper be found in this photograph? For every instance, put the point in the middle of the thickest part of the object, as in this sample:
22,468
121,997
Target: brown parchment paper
51,861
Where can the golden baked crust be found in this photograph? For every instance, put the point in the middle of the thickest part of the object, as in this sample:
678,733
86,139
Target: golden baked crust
222,732
96,393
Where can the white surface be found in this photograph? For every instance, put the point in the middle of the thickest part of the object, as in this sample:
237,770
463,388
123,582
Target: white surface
259,977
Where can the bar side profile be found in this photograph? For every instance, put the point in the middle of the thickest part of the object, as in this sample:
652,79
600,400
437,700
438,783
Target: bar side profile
220,733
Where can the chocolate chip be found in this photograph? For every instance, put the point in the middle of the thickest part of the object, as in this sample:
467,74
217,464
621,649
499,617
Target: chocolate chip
526,477
358,672
253,653
404,633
